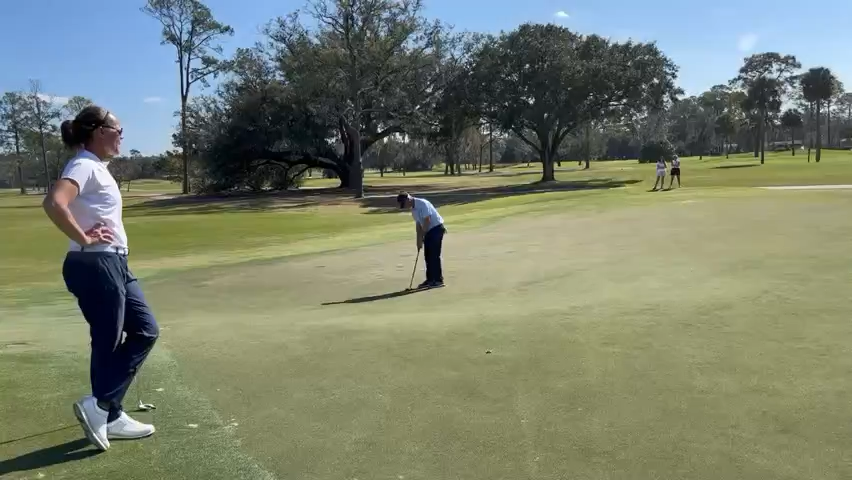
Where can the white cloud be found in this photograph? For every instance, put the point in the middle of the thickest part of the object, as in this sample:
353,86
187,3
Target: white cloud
152,100
561,14
747,42
53,99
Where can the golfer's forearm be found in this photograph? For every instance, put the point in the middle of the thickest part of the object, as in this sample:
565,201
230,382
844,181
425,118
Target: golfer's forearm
425,227
62,218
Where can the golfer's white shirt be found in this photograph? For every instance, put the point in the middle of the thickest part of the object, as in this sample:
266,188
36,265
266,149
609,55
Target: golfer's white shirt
422,209
99,199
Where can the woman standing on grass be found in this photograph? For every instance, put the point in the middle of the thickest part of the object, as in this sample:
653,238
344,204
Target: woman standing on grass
85,204
661,174
675,172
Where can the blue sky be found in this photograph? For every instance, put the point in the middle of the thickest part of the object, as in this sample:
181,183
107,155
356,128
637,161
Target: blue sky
109,51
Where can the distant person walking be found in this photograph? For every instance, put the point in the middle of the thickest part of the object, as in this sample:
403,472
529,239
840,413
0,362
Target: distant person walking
430,236
661,174
86,206
675,172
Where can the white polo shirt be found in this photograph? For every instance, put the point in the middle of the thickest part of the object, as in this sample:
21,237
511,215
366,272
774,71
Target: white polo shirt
422,209
99,199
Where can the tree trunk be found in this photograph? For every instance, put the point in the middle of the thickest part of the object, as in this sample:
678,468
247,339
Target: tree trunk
793,141
761,138
44,159
19,165
490,148
548,174
818,133
756,138
727,146
588,147
356,168
828,121
43,148
20,174
184,145
344,177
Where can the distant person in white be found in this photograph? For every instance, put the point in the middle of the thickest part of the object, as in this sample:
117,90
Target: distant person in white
661,174
430,236
85,204
675,172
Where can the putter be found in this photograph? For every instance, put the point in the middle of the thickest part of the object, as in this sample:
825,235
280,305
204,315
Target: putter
411,283
141,407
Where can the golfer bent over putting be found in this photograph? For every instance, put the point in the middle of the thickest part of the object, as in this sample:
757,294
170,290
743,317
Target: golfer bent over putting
430,236
85,204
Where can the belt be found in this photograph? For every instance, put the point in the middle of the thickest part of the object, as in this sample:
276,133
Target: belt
123,251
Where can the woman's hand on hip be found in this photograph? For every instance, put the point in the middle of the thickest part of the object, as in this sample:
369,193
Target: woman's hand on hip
99,234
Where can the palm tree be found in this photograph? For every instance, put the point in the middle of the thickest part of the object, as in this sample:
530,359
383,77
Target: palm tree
765,95
726,127
835,99
791,120
749,121
818,86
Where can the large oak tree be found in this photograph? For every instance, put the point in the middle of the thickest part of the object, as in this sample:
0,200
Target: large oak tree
545,81
368,68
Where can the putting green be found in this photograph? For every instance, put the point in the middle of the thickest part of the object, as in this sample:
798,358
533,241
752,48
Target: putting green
699,333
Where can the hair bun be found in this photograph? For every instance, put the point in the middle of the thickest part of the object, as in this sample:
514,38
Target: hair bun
69,134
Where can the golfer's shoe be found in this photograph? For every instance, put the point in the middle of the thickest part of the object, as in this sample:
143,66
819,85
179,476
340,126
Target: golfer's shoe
126,428
436,284
425,284
93,419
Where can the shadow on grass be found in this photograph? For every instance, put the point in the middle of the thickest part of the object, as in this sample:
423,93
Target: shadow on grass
523,171
20,439
377,199
727,167
254,202
46,457
462,196
374,298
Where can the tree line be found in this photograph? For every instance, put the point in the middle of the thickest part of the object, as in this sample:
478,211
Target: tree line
770,103
346,85
343,86
32,155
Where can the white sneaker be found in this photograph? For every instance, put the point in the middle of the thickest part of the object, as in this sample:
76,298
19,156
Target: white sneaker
126,428
93,419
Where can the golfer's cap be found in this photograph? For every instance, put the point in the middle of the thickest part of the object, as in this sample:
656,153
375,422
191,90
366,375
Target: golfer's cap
401,198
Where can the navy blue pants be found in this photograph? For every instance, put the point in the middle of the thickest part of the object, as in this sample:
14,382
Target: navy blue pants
112,303
432,242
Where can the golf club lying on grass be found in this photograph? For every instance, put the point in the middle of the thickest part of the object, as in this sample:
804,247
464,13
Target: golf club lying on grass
411,283
142,407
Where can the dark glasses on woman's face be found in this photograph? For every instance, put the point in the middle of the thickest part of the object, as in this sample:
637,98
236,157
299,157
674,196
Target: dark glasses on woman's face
104,124
119,130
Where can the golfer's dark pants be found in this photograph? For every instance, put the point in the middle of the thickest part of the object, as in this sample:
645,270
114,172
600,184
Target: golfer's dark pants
112,303
432,252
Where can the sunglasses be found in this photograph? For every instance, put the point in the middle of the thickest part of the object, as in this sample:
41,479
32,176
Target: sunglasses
119,130
103,124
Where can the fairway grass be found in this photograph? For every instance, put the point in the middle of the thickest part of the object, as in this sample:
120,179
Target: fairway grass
698,333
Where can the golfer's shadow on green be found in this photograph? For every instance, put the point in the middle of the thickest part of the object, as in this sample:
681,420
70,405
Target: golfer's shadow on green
46,457
384,296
